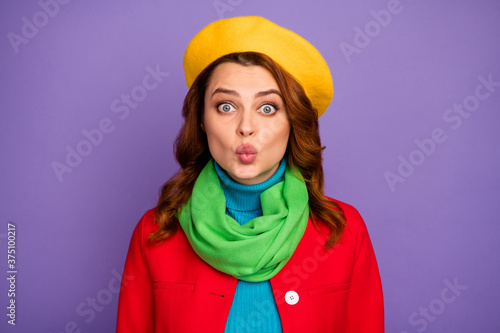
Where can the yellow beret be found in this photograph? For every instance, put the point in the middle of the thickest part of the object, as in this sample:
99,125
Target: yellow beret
257,34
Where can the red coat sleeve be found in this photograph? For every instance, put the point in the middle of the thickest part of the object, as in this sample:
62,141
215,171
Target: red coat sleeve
365,307
136,302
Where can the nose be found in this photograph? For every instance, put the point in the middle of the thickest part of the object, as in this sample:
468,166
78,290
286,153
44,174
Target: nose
246,124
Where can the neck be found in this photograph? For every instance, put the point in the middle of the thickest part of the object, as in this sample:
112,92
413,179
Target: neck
242,197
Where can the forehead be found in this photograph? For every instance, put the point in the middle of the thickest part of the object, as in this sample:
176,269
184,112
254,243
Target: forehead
233,75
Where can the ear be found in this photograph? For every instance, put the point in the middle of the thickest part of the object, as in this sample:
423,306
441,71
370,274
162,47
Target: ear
202,127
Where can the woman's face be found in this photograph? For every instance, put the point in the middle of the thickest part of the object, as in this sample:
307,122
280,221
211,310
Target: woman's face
246,122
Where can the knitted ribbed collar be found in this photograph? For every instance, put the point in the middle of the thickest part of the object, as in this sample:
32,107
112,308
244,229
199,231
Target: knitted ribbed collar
246,198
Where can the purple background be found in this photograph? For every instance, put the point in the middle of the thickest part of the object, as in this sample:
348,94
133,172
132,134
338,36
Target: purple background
439,225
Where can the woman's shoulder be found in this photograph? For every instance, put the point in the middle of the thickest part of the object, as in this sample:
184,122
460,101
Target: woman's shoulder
148,218
146,225
348,209
354,221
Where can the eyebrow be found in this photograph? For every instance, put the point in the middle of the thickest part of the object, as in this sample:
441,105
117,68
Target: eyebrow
234,93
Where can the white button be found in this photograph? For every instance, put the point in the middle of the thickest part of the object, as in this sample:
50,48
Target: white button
291,297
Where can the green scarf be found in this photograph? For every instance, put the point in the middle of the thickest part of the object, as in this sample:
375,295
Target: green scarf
256,250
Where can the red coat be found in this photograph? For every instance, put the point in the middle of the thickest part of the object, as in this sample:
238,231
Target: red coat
168,288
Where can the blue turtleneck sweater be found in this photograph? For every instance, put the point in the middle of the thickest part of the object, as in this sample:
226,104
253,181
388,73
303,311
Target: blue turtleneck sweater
253,308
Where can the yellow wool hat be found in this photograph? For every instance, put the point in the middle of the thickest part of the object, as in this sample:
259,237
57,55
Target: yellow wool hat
257,34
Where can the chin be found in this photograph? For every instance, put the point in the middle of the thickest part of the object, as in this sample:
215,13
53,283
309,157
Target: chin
245,172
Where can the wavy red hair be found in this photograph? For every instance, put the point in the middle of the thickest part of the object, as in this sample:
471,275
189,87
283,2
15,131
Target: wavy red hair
304,150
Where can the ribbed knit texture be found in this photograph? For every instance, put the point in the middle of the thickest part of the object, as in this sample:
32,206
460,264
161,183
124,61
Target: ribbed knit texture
253,308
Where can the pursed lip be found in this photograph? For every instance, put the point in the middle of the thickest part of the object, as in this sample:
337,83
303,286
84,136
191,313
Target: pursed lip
246,149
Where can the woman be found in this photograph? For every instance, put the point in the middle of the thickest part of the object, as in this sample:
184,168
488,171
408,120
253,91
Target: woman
243,238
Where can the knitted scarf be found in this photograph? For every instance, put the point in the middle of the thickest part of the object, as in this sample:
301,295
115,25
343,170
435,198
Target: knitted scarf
257,250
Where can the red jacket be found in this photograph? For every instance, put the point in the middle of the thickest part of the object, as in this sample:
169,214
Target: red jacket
168,288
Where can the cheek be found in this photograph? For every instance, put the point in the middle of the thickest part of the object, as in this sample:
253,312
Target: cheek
217,136
276,134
